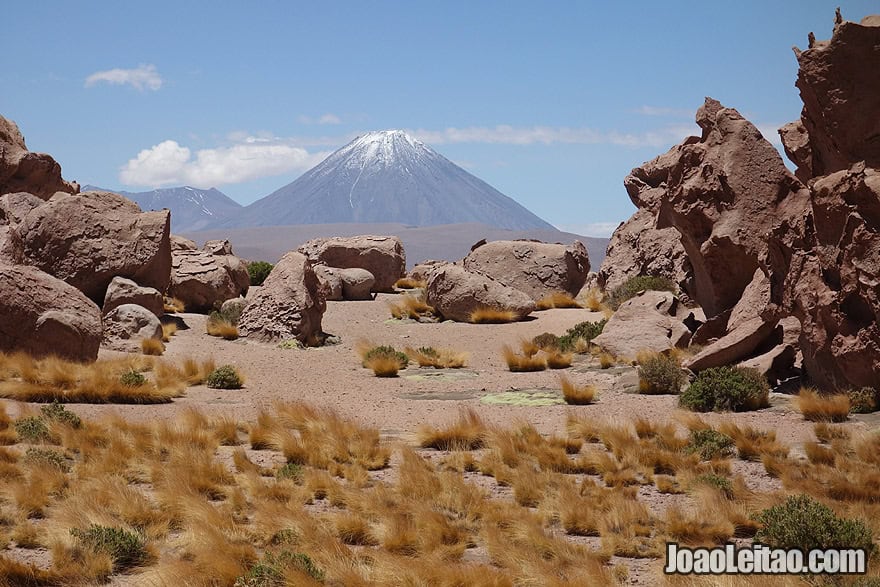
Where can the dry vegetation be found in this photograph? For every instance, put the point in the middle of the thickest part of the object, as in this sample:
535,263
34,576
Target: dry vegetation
442,358
575,394
152,346
822,408
302,496
409,283
557,300
217,325
410,306
493,316
174,305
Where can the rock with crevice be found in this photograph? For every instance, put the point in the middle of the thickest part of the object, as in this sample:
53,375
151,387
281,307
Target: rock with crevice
652,321
455,293
24,171
203,279
125,291
383,256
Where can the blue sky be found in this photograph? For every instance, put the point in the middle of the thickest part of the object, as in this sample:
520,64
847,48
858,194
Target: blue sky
552,103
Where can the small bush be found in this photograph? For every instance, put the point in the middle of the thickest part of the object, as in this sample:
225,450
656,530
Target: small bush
386,352
719,482
48,458
726,389
58,413
802,522
126,548
291,343
152,346
133,379
586,331
517,363
660,374
546,341
292,471
220,326
259,271
710,444
577,395
822,408
224,377
634,285
270,571
32,429
864,400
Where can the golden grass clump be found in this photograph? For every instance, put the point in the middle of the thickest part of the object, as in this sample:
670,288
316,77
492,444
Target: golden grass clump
169,329
410,307
594,300
606,360
559,360
557,300
467,433
152,346
822,408
174,305
493,316
578,395
220,327
522,363
409,283
442,358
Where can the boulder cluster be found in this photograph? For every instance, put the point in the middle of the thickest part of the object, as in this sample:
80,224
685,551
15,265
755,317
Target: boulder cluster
82,270
785,266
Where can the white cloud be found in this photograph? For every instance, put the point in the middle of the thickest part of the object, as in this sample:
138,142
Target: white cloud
598,229
169,163
323,119
141,78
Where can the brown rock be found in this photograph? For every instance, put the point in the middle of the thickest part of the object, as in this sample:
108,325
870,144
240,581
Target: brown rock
736,345
127,325
781,361
125,291
13,208
203,280
840,89
650,321
356,283
179,243
796,142
23,171
383,256
330,279
42,315
535,268
88,239
287,306
421,270
455,293
218,247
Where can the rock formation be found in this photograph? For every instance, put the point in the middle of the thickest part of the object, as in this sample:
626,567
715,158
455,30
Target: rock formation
42,315
383,256
287,306
651,321
535,268
125,291
23,171
204,279
357,283
127,325
455,293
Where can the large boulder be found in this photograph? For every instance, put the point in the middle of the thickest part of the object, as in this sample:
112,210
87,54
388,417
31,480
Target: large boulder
840,88
535,268
330,279
127,325
125,291
287,306
204,279
421,271
651,321
455,293
24,171
42,315
383,256
357,283
637,247
724,192
88,239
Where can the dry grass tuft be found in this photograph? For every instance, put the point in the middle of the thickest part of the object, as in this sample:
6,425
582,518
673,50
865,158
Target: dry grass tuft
174,305
559,360
409,283
411,307
152,347
522,363
493,316
467,433
443,358
383,366
819,408
557,300
169,329
578,395
594,300
221,327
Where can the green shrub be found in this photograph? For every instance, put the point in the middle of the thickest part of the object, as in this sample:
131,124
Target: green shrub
290,343
429,351
269,572
224,377
291,471
546,341
133,379
386,351
57,412
32,429
585,330
259,271
710,444
802,522
634,285
726,389
126,548
47,457
660,374
719,482
864,400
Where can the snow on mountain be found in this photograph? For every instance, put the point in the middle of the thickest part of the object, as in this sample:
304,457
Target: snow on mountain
386,176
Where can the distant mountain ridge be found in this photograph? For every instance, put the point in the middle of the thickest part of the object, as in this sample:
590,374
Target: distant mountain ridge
386,177
191,208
